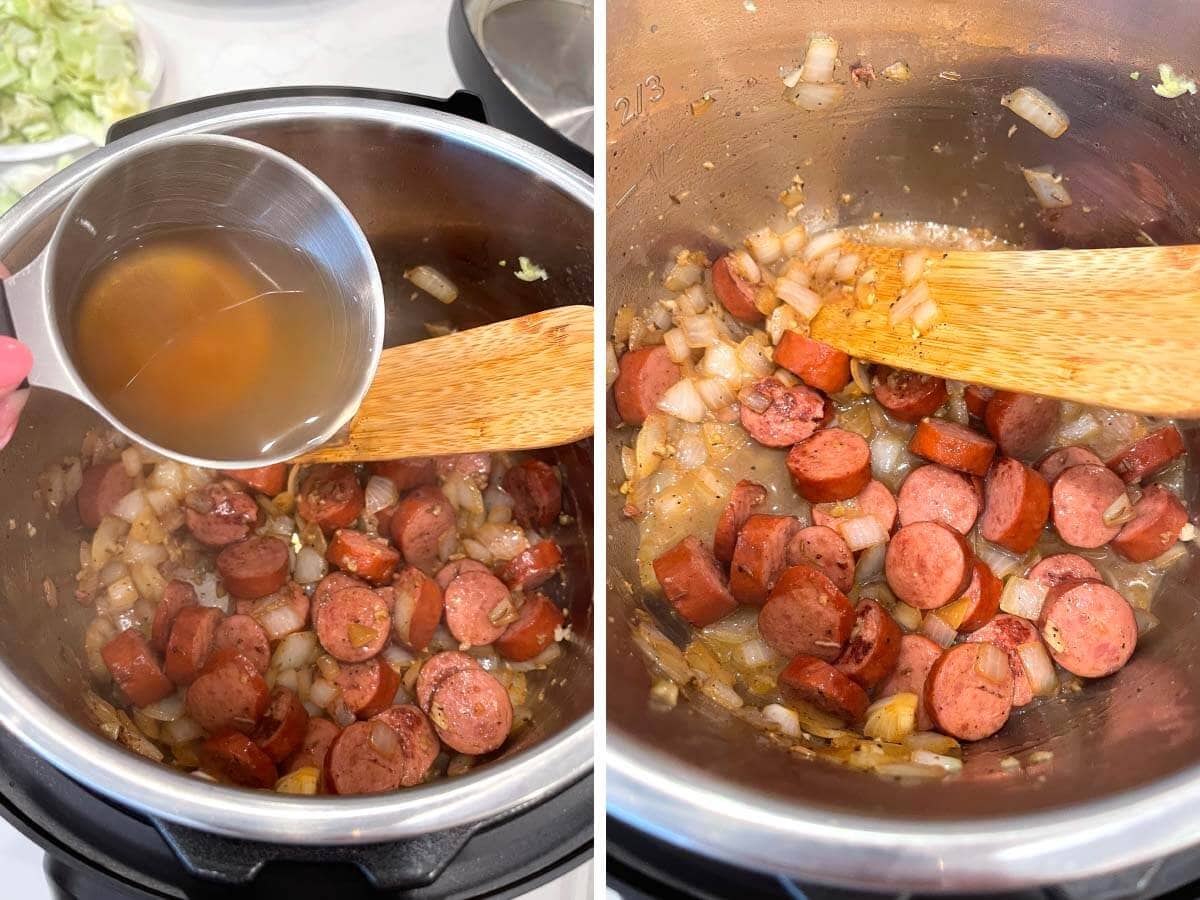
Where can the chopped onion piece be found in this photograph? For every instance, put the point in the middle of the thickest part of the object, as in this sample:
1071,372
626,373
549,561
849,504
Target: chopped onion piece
167,709
1000,561
787,720
909,617
781,320
384,738
433,282
1077,429
699,332
929,758
897,71
131,461
721,693
322,692
295,651
721,361
822,244
651,446
715,393
280,621
745,267
933,742
826,264
1022,597
677,345
925,316
1038,110
380,493
887,452
1039,668
683,401
1119,511
938,630
739,626
691,450
310,566
908,302
870,563
687,270
846,267
1146,620
765,245
909,770
912,266
301,781
991,662
804,301
754,654
793,240
692,302
861,532
750,398
892,719
1047,187
954,613
819,60
755,358
612,367
129,507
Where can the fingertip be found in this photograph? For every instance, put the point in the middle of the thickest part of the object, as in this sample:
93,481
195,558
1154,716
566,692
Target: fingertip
15,362
10,414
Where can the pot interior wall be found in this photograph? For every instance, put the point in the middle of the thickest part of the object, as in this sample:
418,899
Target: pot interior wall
933,149
419,200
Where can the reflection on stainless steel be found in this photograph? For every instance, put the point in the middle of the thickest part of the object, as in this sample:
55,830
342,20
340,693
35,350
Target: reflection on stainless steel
426,188
542,49
1123,785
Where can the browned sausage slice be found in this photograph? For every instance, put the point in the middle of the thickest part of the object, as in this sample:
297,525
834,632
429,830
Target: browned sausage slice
134,668
953,445
533,567
1089,628
354,624
694,583
367,687
328,586
1058,461
102,486
873,500
1158,519
1078,501
806,613
823,549
242,634
229,695
371,558
1009,633
935,493
817,682
778,416
536,493
928,564
976,398
233,757
313,749
452,570
1061,568
473,467
471,712
735,293
1015,507
874,647
745,497
283,726
417,604
437,667
917,656
423,518
364,760
418,743
254,567
533,631
969,691
759,556
833,464
407,474
643,377
176,596
816,364
268,480
331,498
1151,454
982,596
908,396
1021,423
479,607
217,515
190,643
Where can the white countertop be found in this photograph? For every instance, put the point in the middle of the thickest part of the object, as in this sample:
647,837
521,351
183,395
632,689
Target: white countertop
213,46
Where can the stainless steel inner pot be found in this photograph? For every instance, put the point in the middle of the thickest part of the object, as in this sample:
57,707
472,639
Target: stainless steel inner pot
1123,786
426,188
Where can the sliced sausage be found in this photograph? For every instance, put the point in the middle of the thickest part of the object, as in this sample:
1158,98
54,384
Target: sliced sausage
229,695
437,667
759,556
935,493
976,398
874,647
833,464
778,416
694,583
533,631
254,567
190,643
735,293
964,696
217,516
102,486
318,735
982,596
242,634
1021,423
1061,568
471,712
419,745
873,500
283,725
133,667
268,480
331,498
643,376
1151,454
361,762
176,596
1058,461
533,567
1016,505
479,607
417,604
907,396
916,657
407,474
823,549
327,587
953,445
1009,633
536,493
928,564
367,687
806,613
452,570
743,500
354,624
370,558
423,518
1078,501
233,757
816,364
1089,628
1158,519
817,682
473,467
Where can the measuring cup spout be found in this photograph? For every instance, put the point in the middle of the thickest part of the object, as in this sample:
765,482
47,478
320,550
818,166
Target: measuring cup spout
26,315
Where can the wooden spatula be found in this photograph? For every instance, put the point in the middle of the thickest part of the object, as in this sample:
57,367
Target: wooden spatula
514,385
1117,328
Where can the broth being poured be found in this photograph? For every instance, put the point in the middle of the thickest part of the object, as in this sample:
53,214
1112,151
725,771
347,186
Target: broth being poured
212,342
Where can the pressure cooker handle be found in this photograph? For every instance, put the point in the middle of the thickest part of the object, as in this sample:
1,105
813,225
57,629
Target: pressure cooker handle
460,103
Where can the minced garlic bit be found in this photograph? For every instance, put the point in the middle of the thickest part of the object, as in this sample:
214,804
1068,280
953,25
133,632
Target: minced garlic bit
664,693
1135,75
1040,756
1172,85
898,71
708,165
530,271
1187,532
1010,764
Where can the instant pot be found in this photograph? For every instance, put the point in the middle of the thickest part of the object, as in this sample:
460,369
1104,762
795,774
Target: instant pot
429,183
700,143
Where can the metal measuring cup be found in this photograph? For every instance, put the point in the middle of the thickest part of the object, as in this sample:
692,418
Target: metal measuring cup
201,180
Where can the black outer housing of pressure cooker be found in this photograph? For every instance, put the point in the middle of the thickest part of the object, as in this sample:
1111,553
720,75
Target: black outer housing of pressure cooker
99,850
